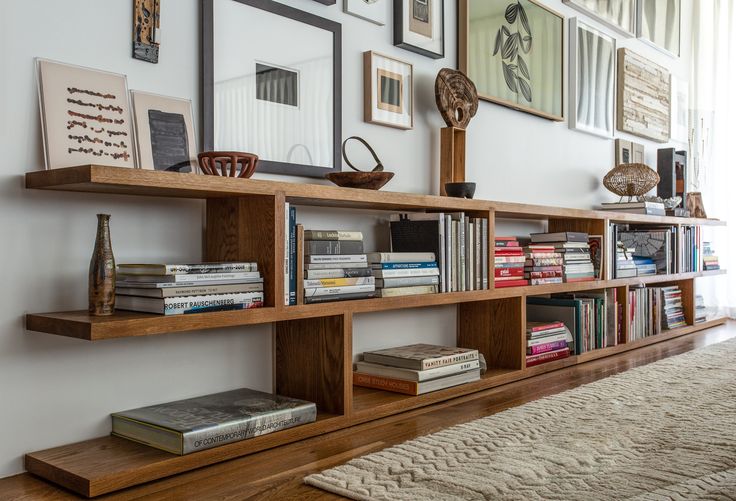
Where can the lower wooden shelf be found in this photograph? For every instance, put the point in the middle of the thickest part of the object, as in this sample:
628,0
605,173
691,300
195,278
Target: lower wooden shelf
107,464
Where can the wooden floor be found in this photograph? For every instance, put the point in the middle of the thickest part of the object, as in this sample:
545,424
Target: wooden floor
278,473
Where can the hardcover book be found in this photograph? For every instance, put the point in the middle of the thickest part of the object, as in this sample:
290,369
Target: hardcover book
407,291
337,273
332,235
560,236
413,387
183,269
190,304
200,423
203,290
401,257
187,278
421,356
333,247
415,375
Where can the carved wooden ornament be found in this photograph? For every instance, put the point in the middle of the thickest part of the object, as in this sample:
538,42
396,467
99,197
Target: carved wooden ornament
456,97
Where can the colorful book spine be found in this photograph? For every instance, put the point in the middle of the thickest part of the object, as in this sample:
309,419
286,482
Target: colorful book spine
509,272
533,360
544,348
386,383
338,273
286,254
292,255
399,273
403,266
338,282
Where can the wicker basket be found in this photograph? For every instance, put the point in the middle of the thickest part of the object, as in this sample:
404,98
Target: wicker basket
631,180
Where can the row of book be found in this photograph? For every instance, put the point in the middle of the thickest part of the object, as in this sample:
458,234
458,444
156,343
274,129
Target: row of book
175,289
546,258
653,310
417,369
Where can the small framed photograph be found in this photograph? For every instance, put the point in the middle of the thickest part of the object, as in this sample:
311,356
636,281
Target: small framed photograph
164,128
85,116
370,10
419,26
388,91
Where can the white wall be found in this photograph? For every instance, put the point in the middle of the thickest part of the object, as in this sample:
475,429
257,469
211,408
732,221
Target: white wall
56,390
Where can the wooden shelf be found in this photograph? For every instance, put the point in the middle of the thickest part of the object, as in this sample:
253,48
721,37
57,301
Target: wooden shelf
81,325
120,180
107,464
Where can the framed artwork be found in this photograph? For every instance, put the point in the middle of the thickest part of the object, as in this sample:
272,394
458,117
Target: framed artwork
643,100
388,94
592,80
617,14
628,152
513,51
273,89
85,116
369,10
680,110
164,131
658,24
419,26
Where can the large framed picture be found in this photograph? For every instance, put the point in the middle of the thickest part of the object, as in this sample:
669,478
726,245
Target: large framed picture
272,85
658,24
592,80
419,26
513,51
617,14
85,116
164,131
388,91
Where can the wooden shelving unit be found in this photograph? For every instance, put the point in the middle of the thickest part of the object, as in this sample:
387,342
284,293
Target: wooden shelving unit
312,344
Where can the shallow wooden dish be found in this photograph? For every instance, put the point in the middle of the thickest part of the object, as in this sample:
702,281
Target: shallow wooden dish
363,180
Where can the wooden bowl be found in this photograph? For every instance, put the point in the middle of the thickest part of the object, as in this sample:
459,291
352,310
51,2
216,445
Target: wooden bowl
460,190
362,180
228,163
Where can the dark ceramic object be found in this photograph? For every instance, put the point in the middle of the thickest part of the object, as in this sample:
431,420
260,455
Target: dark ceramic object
460,190
363,180
228,163
102,271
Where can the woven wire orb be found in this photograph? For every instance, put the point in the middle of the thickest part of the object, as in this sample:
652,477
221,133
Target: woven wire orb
631,180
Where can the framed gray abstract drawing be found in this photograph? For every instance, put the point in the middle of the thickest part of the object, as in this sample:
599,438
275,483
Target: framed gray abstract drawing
513,51
658,24
370,10
617,14
592,80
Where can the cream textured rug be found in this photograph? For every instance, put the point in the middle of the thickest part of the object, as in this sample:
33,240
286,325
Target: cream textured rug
663,431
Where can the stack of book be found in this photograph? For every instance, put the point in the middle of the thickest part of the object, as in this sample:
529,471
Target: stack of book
174,289
200,423
543,264
336,267
710,260
673,315
508,263
625,264
701,312
653,310
645,266
459,243
404,273
417,369
546,341
649,208
575,250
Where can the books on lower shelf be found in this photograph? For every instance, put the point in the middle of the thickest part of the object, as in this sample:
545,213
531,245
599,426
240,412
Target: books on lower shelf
200,423
336,267
547,341
417,369
174,289
701,312
458,242
404,273
653,310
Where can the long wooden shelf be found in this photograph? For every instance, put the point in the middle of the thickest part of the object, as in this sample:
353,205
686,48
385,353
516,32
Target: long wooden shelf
81,325
106,464
119,180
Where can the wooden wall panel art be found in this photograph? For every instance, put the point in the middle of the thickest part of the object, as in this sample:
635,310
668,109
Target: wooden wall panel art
146,17
644,93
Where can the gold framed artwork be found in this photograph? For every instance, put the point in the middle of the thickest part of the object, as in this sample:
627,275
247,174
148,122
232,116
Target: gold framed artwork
85,116
388,95
513,51
643,100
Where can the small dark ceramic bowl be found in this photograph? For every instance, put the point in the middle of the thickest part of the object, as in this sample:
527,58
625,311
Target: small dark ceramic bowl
460,190
363,180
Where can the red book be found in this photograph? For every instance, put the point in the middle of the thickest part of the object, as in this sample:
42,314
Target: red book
544,274
509,272
385,383
508,251
507,243
505,239
543,326
510,283
581,279
533,360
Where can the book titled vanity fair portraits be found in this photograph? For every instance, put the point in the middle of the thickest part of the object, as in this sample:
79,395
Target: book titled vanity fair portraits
200,423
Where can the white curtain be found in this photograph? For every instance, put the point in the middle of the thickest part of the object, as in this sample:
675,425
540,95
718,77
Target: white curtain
712,165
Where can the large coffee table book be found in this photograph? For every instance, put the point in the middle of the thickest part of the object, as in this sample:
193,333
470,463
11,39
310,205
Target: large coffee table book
417,369
200,423
312,354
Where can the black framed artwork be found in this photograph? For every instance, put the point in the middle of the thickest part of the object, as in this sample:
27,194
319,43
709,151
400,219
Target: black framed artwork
272,85
419,26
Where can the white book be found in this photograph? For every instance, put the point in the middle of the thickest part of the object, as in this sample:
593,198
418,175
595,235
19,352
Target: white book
335,273
329,291
337,258
455,258
286,253
407,291
406,281
546,339
470,249
179,291
461,253
478,254
448,253
164,285
339,282
401,257
413,272
332,266
189,278
190,304
414,375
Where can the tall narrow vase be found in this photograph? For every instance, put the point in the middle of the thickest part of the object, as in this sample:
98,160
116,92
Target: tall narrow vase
102,271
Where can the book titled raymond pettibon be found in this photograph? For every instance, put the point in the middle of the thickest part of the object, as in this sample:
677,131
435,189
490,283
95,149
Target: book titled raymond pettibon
200,423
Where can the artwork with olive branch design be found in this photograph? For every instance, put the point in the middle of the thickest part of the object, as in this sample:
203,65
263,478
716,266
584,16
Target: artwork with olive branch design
513,51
